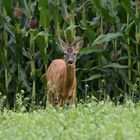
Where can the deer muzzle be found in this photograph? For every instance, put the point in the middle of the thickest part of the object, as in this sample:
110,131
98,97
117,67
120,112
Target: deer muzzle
70,62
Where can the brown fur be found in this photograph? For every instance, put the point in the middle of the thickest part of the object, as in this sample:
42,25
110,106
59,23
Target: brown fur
61,83
61,77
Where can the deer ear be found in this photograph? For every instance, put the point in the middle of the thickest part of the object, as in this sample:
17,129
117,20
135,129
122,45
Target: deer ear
79,45
62,44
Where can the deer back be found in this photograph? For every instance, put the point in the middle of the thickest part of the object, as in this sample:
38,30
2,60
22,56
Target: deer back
55,75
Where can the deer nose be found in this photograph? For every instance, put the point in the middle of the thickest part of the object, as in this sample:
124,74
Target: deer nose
70,61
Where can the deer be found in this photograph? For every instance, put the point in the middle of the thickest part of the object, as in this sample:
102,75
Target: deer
61,76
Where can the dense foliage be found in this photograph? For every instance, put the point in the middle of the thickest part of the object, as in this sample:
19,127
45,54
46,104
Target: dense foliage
102,121
107,66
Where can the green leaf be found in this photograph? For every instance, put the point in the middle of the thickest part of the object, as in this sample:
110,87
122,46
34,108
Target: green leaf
104,11
126,4
6,27
41,39
2,58
89,50
18,48
106,38
8,7
70,31
115,65
129,27
26,8
45,14
64,9
90,34
23,79
96,76
125,78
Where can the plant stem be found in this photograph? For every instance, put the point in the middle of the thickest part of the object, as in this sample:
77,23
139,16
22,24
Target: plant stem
129,57
32,71
137,32
84,16
33,94
6,68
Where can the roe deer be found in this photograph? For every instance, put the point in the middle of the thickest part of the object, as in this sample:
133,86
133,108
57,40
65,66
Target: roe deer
61,76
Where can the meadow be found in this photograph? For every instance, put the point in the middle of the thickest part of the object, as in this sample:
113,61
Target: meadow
89,121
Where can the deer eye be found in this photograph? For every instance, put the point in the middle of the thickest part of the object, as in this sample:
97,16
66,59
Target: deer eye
74,53
65,53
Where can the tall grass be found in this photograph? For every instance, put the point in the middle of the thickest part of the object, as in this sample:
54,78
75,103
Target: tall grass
29,34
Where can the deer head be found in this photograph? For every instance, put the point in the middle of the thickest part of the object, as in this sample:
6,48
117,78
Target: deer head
70,51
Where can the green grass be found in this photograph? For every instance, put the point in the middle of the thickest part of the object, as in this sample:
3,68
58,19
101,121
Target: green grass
103,121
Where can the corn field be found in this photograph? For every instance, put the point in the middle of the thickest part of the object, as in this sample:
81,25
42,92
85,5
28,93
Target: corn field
108,65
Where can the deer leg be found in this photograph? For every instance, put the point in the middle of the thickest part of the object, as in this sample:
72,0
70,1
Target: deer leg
52,97
61,101
72,99
49,97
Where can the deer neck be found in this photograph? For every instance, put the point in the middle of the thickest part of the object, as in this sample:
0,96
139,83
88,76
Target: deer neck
70,76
